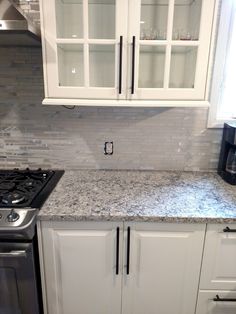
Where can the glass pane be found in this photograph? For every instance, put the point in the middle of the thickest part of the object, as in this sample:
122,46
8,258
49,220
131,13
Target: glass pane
183,67
153,23
187,16
70,65
151,66
69,18
102,65
9,303
102,19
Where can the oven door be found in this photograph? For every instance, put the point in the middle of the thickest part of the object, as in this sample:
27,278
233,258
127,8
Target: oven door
18,286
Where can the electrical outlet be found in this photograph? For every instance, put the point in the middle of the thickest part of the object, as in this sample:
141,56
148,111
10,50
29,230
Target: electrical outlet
108,148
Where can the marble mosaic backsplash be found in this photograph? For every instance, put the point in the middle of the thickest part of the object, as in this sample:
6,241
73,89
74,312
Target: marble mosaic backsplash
33,135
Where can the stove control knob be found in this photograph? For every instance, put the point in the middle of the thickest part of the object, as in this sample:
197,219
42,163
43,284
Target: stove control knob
13,216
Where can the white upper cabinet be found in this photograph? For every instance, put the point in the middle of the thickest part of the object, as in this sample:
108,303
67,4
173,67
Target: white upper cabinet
172,39
131,52
82,40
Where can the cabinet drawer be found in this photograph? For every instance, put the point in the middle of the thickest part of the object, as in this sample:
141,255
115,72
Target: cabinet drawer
207,305
219,259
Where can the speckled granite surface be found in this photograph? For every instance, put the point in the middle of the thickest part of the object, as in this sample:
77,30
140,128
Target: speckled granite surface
141,196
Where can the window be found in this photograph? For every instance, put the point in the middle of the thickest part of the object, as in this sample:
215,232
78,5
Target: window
223,92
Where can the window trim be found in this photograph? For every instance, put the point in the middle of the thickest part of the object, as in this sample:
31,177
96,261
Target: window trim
218,53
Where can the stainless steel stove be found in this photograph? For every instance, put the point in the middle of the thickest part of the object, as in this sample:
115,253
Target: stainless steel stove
22,193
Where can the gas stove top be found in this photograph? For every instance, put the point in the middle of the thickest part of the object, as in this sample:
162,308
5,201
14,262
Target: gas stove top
19,188
22,193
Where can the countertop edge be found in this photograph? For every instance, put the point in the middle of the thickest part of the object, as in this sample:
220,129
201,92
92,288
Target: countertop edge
91,218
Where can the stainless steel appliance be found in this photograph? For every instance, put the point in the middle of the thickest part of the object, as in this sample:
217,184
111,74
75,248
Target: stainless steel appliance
227,160
15,29
22,193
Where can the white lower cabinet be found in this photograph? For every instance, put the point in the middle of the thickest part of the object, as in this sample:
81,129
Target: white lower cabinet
217,293
219,260
216,302
164,269
80,268
111,268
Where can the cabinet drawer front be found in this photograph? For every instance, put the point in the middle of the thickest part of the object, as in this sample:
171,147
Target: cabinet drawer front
219,261
207,305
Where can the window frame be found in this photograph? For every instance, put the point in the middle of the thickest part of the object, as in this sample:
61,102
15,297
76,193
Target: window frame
222,25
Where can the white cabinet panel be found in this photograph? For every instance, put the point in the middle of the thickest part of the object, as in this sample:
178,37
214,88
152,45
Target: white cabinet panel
80,268
207,305
219,261
165,262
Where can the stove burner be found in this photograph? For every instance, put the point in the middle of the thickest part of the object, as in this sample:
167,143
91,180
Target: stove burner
13,198
8,186
26,188
29,183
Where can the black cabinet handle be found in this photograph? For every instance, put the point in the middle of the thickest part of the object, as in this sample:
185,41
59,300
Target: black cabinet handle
133,65
219,299
120,64
227,229
128,250
117,249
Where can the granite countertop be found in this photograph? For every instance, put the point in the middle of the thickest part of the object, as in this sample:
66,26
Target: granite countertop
141,196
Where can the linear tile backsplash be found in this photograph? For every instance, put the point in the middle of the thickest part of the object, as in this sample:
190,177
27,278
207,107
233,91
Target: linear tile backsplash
32,135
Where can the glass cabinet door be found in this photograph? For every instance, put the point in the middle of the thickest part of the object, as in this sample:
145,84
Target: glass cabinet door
170,54
84,46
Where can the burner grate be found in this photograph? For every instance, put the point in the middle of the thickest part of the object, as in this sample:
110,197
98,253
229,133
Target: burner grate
18,188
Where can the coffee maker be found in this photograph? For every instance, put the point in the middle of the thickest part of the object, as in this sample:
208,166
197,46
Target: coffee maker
227,161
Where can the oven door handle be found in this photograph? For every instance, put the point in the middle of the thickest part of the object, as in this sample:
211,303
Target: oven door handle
13,254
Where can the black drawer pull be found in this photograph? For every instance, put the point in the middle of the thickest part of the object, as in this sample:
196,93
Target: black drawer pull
218,299
120,65
133,65
227,229
117,249
128,250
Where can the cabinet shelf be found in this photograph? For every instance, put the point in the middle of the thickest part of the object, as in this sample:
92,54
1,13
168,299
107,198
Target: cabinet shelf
152,3
83,41
171,42
166,3
103,2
